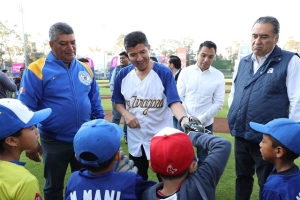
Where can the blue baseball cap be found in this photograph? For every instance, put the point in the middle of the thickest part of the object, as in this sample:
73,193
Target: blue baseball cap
99,137
14,115
285,130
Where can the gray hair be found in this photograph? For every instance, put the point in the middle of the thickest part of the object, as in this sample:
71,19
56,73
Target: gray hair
269,20
59,28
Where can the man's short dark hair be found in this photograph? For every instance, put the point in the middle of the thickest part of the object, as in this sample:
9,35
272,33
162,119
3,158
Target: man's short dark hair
83,60
92,157
4,70
290,155
153,58
123,53
208,44
134,38
175,60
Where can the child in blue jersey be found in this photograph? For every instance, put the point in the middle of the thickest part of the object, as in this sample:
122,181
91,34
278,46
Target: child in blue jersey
280,146
96,146
172,157
18,133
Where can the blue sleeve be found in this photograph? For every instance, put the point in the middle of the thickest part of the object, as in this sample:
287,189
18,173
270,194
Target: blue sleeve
214,164
117,95
169,83
7,83
141,185
94,95
31,90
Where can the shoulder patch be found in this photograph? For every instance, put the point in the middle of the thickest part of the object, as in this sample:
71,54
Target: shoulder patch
84,78
88,69
37,66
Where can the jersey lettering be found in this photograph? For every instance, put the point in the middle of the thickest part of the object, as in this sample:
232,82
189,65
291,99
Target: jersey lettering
88,195
144,103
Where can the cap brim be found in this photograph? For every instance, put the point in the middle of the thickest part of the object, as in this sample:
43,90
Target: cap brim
38,117
259,127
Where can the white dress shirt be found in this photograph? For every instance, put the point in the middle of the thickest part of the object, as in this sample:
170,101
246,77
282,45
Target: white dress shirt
292,84
201,93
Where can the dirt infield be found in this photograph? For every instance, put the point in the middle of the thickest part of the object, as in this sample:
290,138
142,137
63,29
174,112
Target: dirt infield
220,125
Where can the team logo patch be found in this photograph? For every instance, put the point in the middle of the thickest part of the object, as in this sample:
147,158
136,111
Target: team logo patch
270,70
85,78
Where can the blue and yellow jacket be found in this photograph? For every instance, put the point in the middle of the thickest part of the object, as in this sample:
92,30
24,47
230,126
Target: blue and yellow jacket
72,93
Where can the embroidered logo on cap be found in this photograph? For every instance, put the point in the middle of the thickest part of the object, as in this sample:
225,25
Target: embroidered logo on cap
170,169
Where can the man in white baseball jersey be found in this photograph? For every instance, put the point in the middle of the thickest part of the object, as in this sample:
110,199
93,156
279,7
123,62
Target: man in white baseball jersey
150,95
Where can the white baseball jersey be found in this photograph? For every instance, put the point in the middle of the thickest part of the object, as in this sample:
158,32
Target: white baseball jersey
148,100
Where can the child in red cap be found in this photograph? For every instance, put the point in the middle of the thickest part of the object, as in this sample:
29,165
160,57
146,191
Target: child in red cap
172,157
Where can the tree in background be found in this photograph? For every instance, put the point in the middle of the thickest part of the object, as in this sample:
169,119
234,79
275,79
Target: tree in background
220,57
13,46
233,50
169,47
119,45
292,45
190,54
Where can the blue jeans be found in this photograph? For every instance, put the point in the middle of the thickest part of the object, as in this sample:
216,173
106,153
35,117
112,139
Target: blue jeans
56,157
116,118
176,124
248,160
203,153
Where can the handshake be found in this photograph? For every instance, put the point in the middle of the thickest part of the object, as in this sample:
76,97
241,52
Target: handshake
193,125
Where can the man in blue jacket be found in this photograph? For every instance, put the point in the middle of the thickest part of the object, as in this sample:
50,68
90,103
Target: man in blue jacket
67,86
265,87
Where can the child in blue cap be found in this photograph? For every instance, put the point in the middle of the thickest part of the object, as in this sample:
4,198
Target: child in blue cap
96,146
18,133
280,146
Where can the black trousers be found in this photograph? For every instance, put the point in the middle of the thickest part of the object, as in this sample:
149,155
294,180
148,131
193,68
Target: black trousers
248,160
141,163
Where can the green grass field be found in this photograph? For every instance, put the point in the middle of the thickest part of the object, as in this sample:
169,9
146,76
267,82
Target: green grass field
225,188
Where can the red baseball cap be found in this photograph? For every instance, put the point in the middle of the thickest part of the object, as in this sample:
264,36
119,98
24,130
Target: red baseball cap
171,152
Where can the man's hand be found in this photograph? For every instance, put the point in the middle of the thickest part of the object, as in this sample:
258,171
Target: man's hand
183,121
131,120
34,154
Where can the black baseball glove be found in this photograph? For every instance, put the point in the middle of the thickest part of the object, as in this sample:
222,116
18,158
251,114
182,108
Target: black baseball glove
193,125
